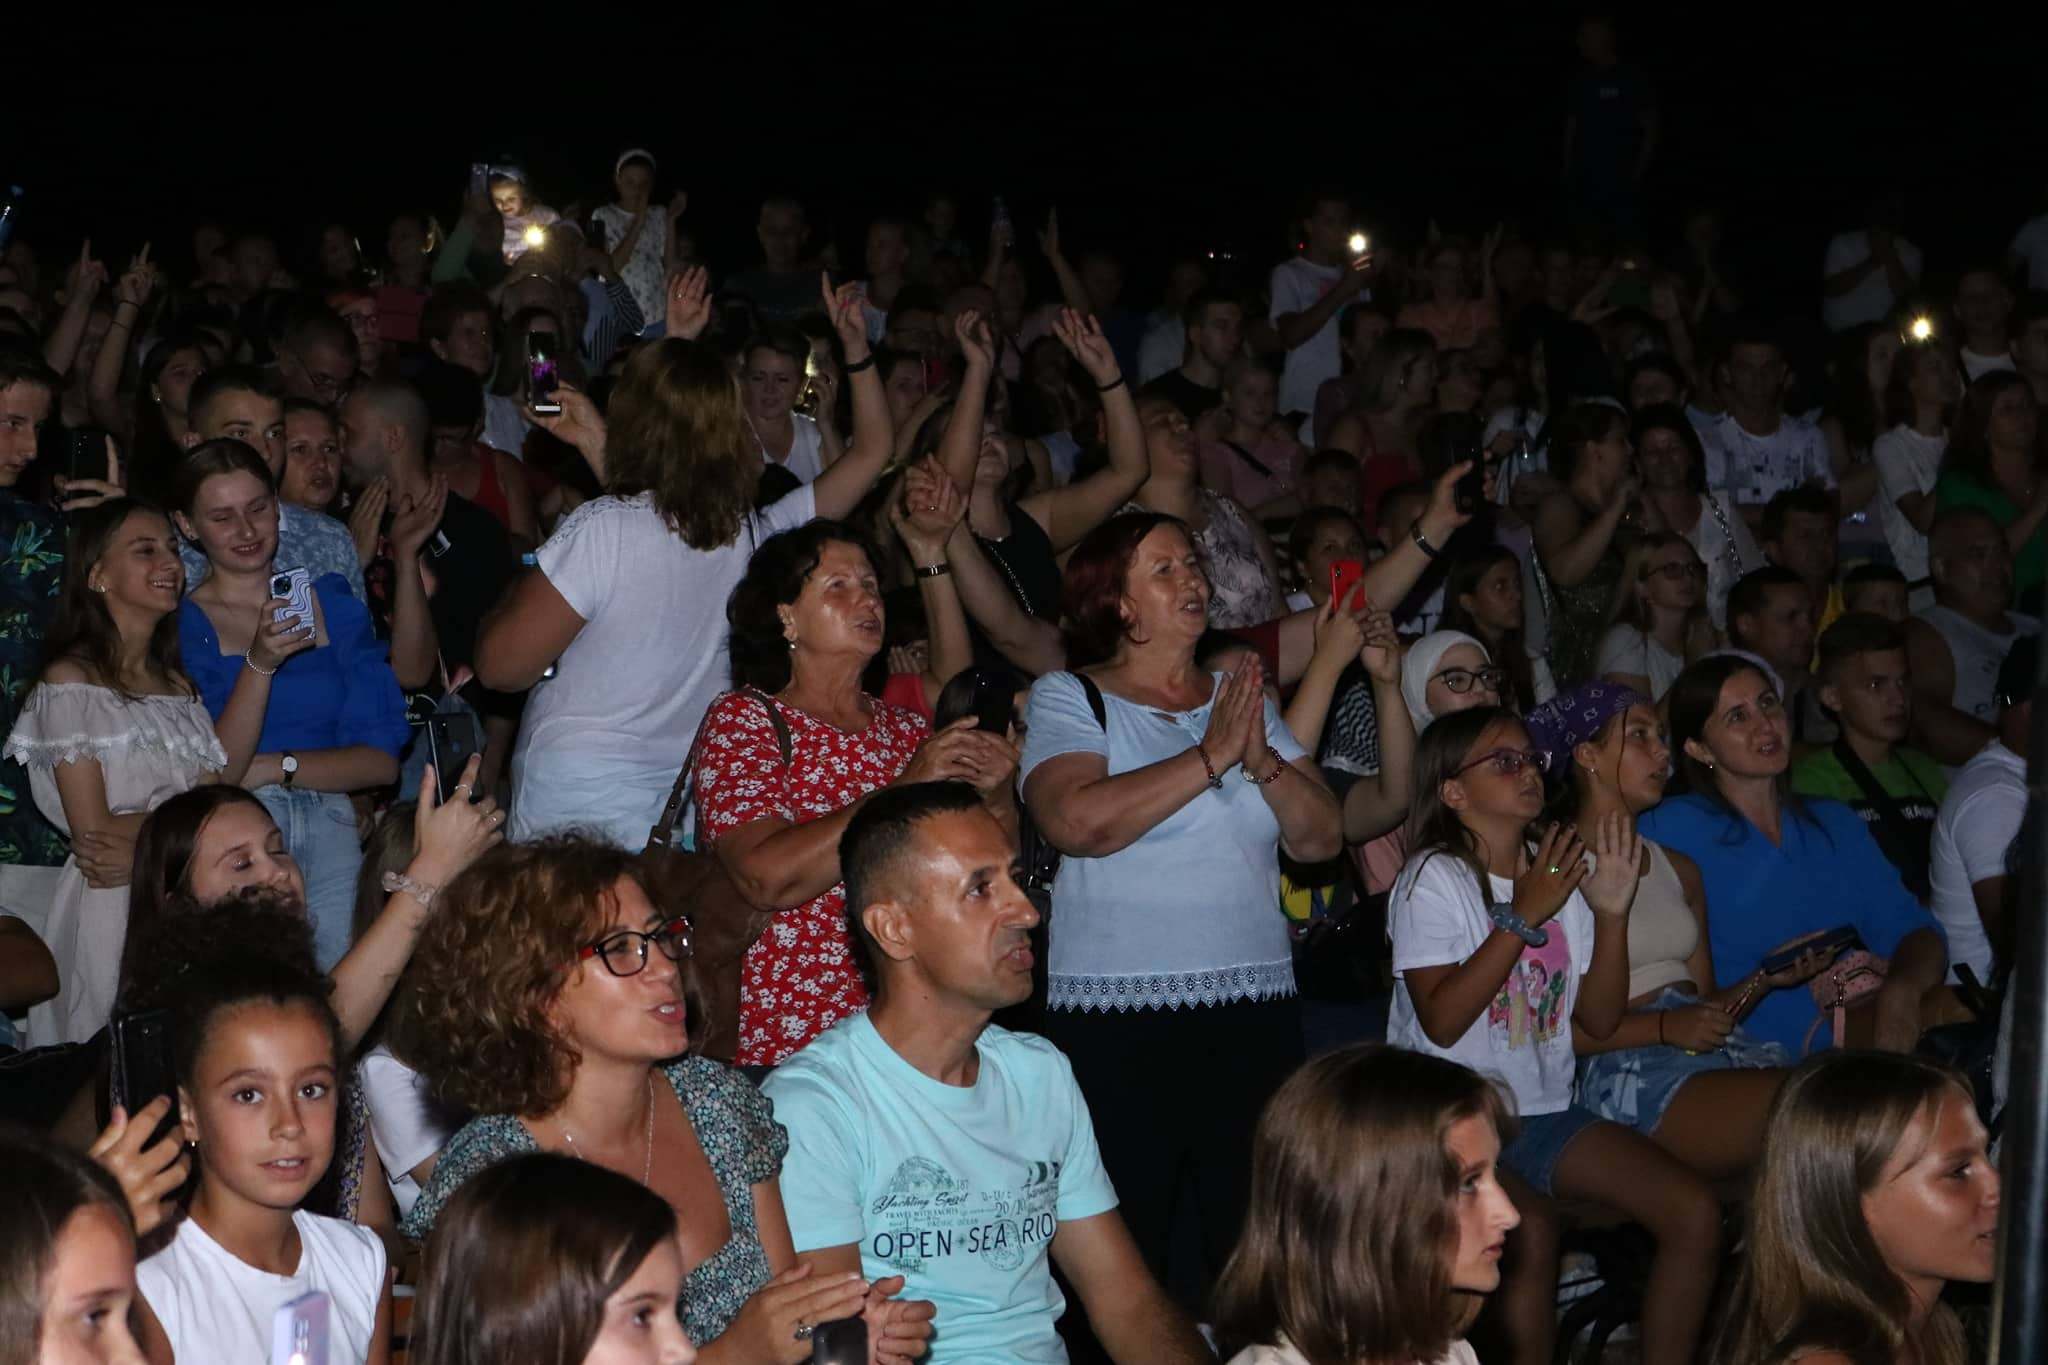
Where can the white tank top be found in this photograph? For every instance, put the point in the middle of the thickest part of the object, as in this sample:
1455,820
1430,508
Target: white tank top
1978,653
1662,930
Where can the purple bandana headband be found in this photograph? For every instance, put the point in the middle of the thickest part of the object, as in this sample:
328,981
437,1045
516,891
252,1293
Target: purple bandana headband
1576,716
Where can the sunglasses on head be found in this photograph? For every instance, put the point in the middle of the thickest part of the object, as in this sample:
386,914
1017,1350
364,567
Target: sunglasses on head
1509,762
1460,680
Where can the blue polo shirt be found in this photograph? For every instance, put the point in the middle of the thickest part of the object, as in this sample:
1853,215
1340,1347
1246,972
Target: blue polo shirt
1827,872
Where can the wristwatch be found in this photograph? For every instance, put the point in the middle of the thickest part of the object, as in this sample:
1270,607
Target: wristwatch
290,764
1504,917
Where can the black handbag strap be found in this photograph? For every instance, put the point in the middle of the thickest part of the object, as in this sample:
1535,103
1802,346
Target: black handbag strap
1254,461
1895,829
663,832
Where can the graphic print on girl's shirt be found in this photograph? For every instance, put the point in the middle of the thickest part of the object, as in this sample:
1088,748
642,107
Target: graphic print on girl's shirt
1530,1007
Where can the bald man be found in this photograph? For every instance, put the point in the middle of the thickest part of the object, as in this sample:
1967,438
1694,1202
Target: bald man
1958,643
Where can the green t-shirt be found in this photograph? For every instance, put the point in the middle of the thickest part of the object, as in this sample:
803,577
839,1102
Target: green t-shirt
2030,564
1912,779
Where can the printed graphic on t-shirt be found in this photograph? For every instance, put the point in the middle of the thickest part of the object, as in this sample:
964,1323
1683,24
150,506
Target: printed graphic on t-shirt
927,1215
1529,1011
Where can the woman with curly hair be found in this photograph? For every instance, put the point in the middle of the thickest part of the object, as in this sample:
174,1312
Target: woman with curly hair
626,603
560,1021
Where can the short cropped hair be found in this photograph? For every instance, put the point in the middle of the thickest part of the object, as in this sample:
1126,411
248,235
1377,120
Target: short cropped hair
873,844
228,379
1857,632
1779,510
1751,591
448,303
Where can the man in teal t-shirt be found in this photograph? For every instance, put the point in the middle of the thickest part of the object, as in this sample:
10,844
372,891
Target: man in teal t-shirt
1867,682
927,1143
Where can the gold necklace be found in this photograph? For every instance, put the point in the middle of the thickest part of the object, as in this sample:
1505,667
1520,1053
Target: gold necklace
647,1172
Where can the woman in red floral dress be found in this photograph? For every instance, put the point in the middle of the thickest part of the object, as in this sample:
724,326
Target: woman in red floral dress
806,622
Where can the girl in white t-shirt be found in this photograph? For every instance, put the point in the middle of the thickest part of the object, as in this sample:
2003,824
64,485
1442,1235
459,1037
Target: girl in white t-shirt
1503,945
257,1048
1384,1161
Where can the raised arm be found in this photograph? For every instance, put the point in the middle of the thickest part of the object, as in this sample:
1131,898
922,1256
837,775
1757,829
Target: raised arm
415,644
1071,291
1339,637
1296,329
103,385
1388,579
1311,827
924,516
960,443
82,285
839,489
1573,544
1377,804
240,725
1030,642
1069,513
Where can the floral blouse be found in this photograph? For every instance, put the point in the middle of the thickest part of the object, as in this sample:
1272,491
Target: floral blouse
1241,592
736,1127
799,978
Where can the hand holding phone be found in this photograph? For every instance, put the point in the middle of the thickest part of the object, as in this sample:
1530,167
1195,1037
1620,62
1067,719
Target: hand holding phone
295,588
1828,945
540,374
995,702
844,1342
1344,576
452,738
142,1068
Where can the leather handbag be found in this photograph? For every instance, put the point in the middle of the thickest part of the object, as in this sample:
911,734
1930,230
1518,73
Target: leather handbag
723,922
1854,977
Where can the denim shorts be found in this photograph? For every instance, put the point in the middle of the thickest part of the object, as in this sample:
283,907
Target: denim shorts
1540,1144
1635,1086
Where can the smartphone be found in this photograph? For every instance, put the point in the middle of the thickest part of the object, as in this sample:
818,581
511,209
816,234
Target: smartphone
85,454
1470,491
540,372
1834,940
298,1331
1344,576
841,1342
295,586
451,738
995,702
142,1066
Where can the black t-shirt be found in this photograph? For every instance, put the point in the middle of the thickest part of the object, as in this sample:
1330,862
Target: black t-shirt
469,562
1191,398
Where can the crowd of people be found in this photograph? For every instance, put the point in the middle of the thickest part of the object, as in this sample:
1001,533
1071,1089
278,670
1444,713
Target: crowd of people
938,731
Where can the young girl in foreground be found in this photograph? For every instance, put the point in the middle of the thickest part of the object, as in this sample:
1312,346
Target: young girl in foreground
257,1050
1875,1190
1388,1154
547,1260
1501,944
67,1258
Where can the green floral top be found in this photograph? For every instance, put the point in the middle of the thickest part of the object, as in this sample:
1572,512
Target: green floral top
31,572
736,1127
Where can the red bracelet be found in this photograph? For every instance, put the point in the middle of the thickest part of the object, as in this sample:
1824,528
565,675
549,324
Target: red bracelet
1279,767
1208,767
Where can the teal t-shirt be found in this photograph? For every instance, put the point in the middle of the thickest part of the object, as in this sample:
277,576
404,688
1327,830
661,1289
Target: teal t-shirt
959,1189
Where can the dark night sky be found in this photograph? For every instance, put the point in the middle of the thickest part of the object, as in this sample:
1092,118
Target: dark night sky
1154,130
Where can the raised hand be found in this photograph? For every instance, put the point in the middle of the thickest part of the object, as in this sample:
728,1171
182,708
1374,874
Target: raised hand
1340,635
86,276
450,837
1618,853
366,520
930,507
278,640
415,521
1550,875
1381,653
1049,235
75,495
689,303
1082,335
677,202
977,341
1228,736
148,1175
843,306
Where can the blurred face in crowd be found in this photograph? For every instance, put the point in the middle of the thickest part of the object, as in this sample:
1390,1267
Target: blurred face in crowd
904,388
1596,42
1218,335
1983,303
1755,377
1877,599
255,265
781,231
1447,276
1665,460
87,1290
1458,383
1103,280
360,313
252,418
1935,381
2030,349
1169,440
1465,665
639,1326
1335,538
337,252
1972,566
1673,578
316,369
1650,387
1254,396
1328,230
469,344
1747,735
24,408
1495,601
1368,328
1806,547
1635,757
1605,462
173,388
406,241
914,329
888,251
635,183
1183,282
770,382
1873,694
312,460
240,848
508,197
1781,629
1332,487
234,520
2015,420
1878,360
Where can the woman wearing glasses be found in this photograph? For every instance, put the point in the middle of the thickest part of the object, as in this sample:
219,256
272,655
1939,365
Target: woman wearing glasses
1660,621
559,1018
1505,945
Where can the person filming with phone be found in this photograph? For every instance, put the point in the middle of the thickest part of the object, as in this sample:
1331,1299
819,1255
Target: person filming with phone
336,721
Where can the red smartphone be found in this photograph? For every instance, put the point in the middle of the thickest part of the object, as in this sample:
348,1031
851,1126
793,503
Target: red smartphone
1344,576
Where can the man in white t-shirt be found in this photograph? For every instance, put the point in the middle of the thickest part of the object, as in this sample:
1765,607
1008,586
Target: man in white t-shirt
1308,293
1979,819
1756,450
925,1142
1866,273
1984,310
1959,643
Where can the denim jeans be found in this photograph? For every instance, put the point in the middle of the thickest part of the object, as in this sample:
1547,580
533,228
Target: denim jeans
320,833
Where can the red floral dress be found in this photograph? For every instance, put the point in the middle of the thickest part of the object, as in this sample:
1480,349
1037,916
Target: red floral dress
799,978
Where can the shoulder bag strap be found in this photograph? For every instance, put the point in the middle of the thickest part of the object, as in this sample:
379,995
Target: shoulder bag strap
1095,702
662,834
1891,816
1254,461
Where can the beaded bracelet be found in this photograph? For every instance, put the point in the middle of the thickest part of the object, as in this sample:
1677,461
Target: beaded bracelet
1215,782
1279,767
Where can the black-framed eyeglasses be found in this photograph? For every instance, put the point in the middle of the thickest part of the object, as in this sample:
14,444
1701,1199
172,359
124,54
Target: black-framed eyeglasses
1460,680
1677,570
1509,762
625,953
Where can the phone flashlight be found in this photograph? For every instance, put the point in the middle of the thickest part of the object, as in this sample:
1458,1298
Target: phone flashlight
1358,243
536,235
1922,328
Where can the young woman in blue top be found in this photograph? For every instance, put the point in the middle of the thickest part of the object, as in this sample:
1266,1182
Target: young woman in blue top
1776,867
336,721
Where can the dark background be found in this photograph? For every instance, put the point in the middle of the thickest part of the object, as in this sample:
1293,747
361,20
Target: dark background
1155,130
